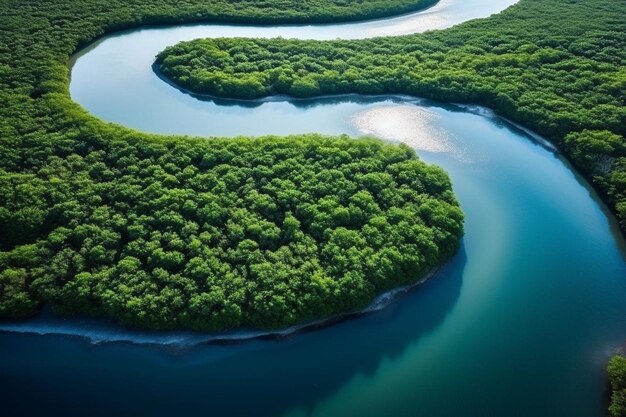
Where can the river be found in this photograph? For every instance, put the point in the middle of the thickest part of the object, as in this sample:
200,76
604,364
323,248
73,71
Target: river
519,323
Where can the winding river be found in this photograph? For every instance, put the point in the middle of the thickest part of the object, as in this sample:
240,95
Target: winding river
519,323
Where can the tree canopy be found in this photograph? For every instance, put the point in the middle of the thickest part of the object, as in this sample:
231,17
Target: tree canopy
215,234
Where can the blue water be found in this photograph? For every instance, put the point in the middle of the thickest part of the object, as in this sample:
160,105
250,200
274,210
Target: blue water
519,323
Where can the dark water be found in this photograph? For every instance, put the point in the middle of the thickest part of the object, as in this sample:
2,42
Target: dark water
520,323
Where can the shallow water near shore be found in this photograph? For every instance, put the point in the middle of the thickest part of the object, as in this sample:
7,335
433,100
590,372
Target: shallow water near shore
519,323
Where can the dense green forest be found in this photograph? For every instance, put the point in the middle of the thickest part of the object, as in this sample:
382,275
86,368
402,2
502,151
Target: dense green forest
220,233
617,382
171,232
555,66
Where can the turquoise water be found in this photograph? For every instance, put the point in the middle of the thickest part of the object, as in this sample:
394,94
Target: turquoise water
519,323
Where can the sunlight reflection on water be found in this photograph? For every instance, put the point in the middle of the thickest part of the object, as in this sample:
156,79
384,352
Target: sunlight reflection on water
414,126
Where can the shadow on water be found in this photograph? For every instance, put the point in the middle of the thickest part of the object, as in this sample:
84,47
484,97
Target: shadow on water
317,101
309,103
255,378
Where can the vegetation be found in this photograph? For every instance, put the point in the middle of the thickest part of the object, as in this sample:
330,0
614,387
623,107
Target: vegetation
221,233
556,66
170,232
617,381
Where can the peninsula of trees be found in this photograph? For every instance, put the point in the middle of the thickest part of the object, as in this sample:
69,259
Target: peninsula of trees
555,66
174,232
218,234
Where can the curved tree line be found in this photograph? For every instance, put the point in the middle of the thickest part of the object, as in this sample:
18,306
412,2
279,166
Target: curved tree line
555,66
175,232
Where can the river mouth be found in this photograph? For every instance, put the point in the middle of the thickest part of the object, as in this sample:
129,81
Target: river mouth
520,321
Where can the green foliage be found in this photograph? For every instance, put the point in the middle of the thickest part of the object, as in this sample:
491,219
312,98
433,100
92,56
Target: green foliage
213,234
556,66
15,299
593,150
617,380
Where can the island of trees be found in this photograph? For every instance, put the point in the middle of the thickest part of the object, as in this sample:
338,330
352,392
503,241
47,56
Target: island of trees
565,80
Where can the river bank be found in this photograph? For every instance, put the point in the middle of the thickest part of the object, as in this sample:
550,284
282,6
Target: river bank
98,331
